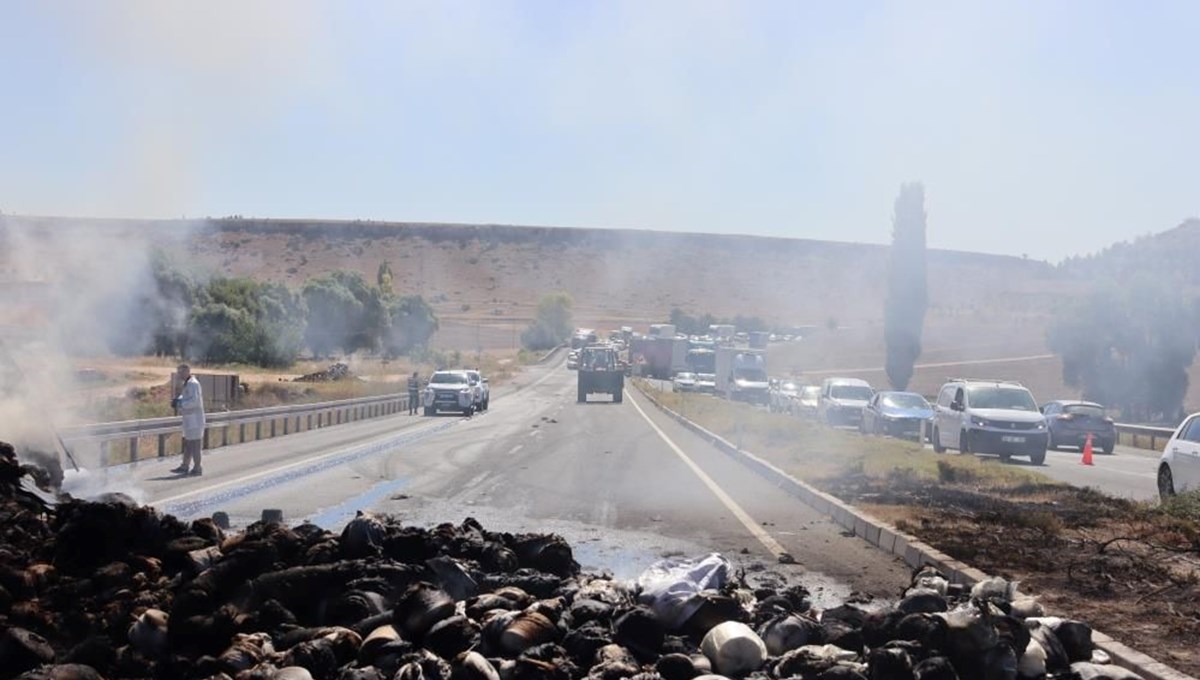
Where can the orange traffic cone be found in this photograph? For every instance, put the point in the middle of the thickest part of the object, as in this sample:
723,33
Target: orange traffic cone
1087,451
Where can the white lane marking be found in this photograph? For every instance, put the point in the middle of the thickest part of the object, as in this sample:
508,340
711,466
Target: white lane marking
282,468
516,448
753,527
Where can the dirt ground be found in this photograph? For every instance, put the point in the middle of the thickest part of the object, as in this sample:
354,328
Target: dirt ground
1129,570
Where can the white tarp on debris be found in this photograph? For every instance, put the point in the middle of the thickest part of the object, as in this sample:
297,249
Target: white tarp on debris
670,586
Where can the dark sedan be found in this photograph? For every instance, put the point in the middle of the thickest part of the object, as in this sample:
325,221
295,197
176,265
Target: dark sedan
1070,422
899,414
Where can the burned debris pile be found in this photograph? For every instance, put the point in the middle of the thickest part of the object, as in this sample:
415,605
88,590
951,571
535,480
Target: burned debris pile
333,373
108,589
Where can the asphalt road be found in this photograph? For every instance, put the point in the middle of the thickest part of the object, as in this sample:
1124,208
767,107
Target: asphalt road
624,484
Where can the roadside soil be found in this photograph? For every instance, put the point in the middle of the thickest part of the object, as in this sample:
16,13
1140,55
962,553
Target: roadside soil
1126,568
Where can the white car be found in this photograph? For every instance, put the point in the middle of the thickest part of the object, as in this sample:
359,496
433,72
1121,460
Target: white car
1179,467
684,382
479,385
989,416
706,382
449,391
842,401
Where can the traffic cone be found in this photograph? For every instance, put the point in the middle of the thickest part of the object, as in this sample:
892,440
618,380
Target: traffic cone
1087,451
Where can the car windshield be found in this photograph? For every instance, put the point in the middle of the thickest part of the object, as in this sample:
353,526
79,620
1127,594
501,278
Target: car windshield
1008,398
1089,410
905,400
853,392
449,378
685,376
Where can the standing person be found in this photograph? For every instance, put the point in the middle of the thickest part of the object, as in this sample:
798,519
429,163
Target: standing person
190,403
414,393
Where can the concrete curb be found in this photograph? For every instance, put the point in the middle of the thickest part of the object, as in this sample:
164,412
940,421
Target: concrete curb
912,550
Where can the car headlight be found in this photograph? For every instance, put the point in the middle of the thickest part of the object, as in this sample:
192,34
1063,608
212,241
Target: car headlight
1041,425
980,422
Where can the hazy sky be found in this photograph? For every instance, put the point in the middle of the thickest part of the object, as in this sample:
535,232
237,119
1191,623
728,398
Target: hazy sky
1046,128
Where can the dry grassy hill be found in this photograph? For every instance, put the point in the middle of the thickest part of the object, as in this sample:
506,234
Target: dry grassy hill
485,280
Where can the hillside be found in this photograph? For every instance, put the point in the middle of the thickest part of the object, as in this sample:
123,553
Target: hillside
489,277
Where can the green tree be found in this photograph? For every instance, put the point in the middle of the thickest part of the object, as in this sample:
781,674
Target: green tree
411,325
907,297
244,321
384,279
552,325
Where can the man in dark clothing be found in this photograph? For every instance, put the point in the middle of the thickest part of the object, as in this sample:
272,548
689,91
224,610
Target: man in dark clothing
414,393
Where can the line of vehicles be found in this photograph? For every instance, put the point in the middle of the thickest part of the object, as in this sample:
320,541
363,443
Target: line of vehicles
979,416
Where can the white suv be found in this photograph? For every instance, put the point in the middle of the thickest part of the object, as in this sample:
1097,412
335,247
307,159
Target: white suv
988,416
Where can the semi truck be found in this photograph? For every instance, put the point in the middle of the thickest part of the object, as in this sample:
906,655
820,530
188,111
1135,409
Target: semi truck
652,357
661,330
741,374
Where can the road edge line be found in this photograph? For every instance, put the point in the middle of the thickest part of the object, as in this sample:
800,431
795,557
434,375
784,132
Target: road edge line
755,529
912,550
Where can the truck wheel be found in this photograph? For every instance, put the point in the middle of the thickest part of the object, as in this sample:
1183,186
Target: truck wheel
469,411
430,411
964,442
582,396
618,396
485,403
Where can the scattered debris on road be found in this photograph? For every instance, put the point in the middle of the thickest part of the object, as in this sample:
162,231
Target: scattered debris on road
110,589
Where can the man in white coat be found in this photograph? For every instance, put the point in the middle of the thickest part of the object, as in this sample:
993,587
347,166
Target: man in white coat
190,404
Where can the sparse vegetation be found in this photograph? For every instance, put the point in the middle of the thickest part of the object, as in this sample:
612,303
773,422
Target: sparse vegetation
552,326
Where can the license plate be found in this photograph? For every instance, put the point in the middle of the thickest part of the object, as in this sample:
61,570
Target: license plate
1013,440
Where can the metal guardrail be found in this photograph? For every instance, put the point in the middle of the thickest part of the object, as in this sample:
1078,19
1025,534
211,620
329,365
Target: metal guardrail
272,421
1144,436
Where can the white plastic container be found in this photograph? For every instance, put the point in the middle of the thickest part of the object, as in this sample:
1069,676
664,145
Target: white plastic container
734,649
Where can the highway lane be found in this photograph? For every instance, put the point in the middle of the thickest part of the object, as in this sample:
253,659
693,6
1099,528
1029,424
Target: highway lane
624,484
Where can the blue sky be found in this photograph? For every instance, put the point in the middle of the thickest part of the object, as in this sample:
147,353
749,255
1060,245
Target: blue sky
1047,128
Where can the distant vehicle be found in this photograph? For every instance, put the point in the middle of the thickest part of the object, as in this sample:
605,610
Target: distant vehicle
573,360
653,357
449,391
1068,423
758,339
722,332
988,416
899,414
583,337
600,372
842,401
702,360
741,375
1179,466
661,330
785,396
706,382
809,402
742,338
479,386
684,381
